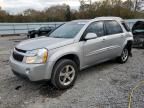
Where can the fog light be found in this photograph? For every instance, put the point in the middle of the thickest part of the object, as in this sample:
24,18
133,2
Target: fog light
27,71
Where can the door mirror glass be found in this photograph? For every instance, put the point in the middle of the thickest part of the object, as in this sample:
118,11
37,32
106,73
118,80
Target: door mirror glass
90,36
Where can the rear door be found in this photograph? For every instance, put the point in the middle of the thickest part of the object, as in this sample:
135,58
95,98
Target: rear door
114,38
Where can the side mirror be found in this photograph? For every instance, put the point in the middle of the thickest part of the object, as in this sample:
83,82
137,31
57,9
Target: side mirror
90,36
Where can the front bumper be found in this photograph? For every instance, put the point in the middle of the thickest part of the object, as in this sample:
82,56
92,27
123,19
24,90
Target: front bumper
34,72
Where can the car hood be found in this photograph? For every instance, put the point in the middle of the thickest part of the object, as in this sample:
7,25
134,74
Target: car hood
138,25
138,29
44,42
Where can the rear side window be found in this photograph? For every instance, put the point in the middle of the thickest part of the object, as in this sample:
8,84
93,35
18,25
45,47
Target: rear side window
96,27
126,26
113,27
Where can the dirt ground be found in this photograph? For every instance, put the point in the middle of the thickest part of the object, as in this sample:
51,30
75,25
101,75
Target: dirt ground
102,86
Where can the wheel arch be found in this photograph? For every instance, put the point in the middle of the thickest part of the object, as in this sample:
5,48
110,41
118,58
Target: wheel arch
72,57
129,46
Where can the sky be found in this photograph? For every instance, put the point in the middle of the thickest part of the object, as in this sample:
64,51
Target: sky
17,6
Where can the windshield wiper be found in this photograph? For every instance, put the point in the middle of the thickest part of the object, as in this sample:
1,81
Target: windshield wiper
57,37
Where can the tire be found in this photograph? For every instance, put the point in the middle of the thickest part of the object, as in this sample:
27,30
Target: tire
64,74
124,56
28,36
143,45
36,35
32,36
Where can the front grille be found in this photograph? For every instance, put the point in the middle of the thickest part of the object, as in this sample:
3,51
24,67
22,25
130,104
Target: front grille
19,50
18,57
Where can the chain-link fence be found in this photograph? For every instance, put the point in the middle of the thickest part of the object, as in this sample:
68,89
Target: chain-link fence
22,28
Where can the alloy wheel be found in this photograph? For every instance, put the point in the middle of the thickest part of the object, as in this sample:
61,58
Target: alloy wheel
124,55
67,75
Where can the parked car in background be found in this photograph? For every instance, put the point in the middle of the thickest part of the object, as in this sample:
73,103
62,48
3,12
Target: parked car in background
70,48
138,32
40,32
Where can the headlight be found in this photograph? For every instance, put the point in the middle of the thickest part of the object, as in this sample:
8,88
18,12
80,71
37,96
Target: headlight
37,56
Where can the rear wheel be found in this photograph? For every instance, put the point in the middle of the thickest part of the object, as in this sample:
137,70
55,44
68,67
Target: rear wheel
124,56
64,74
143,45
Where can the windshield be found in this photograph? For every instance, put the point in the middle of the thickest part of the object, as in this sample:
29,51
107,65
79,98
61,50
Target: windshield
68,30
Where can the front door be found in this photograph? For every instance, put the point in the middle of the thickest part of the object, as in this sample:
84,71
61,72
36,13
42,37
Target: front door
94,49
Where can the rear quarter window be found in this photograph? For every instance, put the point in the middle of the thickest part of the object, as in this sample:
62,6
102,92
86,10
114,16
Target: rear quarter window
126,26
113,27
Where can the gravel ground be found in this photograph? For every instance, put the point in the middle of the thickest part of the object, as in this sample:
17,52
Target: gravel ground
102,86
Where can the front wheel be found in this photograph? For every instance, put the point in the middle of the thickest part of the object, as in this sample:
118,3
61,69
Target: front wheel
64,74
124,56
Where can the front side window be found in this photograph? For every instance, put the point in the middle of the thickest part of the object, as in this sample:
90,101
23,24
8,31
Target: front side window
113,27
96,27
68,30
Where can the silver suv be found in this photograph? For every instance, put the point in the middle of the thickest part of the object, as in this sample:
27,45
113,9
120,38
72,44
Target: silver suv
72,47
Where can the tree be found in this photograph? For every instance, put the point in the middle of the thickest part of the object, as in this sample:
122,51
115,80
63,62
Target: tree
128,4
68,13
87,10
